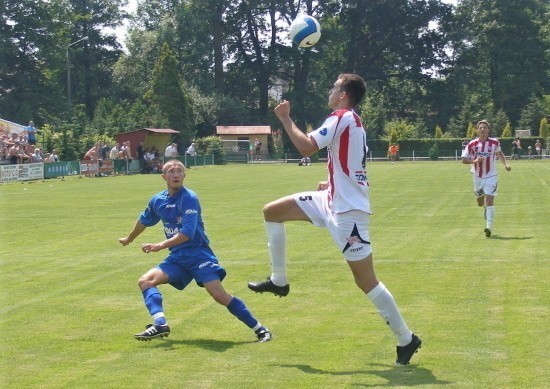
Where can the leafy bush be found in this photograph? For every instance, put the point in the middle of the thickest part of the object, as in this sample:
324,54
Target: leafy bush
433,154
212,145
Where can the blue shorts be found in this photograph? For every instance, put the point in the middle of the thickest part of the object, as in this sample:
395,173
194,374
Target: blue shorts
198,263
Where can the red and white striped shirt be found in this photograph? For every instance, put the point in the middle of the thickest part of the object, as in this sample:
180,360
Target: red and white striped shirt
487,149
344,136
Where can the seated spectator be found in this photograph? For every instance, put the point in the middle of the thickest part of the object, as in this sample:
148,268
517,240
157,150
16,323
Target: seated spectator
149,160
3,153
52,157
36,156
16,154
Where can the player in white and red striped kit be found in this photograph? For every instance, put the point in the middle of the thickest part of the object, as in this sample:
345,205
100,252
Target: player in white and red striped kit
481,153
340,204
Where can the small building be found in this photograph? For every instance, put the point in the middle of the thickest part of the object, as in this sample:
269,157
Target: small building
242,138
151,137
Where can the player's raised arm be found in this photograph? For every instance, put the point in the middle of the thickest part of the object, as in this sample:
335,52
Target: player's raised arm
305,144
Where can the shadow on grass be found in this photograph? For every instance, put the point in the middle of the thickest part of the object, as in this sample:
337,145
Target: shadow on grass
394,375
206,344
497,237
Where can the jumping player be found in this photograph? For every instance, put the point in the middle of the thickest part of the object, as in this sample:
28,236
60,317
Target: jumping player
481,153
340,204
190,255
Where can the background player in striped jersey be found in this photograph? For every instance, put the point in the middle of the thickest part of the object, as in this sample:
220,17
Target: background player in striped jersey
481,153
340,204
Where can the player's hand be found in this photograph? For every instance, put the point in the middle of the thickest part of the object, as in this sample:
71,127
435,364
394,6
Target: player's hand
508,168
150,248
124,241
282,110
322,185
479,160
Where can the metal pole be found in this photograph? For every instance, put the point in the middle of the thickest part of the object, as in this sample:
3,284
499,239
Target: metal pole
69,102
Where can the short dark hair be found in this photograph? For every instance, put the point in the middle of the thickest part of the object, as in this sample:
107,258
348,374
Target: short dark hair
354,86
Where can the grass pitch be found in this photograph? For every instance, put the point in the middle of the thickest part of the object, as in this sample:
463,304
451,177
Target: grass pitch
481,306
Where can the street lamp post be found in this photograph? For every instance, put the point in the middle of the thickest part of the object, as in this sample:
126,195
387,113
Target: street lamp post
69,102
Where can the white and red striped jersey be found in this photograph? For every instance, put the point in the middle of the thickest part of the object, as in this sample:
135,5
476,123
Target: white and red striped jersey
487,149
343,135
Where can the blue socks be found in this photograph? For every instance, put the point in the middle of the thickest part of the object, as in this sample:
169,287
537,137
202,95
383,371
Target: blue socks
237,308
153,302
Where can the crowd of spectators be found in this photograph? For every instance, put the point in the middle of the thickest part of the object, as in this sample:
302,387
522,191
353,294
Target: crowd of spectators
19,148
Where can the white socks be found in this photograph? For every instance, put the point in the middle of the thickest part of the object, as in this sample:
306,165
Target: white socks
385,303
489,215
276,245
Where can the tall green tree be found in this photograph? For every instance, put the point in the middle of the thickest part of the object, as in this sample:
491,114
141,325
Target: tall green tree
27,41
169,94
92,60
499,47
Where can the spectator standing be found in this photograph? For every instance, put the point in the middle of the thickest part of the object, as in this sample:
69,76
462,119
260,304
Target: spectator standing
257,147
104,153
113,154
393,151
516,147
538,148
191,150
31,133
91,154
171,151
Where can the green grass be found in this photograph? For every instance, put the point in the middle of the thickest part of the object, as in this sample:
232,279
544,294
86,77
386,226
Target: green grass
70,301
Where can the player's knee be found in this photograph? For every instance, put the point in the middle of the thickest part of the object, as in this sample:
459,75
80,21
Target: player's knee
144,282
269,212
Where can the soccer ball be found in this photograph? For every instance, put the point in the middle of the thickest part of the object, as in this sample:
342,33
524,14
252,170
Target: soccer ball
305,31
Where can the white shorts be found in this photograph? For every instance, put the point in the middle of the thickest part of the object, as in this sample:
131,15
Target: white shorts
349,230
485,186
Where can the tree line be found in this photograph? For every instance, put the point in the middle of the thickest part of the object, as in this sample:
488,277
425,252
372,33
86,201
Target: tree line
432,68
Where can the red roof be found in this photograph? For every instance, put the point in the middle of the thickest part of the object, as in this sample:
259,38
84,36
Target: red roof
243,130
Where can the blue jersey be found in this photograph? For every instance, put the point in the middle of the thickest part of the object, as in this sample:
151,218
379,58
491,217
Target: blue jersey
180,213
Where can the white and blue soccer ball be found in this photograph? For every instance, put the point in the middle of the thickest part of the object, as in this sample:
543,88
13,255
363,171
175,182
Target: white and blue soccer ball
305,31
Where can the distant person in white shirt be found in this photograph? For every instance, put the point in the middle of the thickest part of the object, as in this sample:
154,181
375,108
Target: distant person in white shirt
481,153
191,150
340,204
171,151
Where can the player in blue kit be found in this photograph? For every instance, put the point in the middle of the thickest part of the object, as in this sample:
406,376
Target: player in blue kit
190,255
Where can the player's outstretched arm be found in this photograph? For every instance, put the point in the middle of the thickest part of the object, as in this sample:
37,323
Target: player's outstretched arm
138,229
